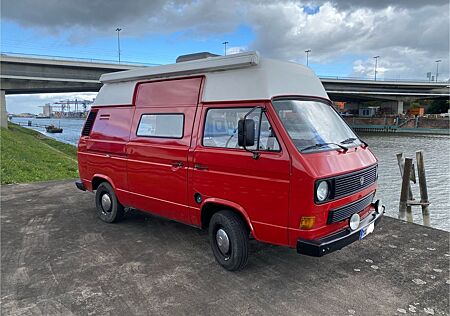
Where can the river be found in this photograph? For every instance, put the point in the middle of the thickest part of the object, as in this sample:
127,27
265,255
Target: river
385,146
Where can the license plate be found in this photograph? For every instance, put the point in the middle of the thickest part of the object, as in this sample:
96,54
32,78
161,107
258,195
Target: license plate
366,230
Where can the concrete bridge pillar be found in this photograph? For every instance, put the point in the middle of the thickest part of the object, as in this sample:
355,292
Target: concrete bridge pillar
3,113
400,107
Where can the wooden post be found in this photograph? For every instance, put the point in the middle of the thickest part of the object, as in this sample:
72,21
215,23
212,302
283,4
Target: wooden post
407,214
403,205
423,188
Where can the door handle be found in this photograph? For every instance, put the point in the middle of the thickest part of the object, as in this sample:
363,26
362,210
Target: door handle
200,167
177,164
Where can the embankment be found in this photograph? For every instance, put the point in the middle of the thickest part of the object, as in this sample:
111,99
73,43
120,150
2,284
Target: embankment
28,156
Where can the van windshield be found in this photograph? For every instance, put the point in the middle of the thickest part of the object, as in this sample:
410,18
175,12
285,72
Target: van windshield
314,125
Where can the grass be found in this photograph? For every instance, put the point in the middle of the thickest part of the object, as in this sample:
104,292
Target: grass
29,156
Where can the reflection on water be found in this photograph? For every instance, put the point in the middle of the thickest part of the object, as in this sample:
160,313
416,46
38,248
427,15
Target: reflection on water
384,146
437,169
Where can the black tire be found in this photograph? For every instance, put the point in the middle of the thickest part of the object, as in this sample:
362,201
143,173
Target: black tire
115,212
237,234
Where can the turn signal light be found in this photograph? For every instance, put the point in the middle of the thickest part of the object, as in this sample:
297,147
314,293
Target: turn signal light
307,222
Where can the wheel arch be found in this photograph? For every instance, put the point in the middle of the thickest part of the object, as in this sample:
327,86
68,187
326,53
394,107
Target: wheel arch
99,178
211,206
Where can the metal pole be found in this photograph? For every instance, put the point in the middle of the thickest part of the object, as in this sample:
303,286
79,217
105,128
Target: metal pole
118,42
225,47
423,188
307,57
437,68
376,64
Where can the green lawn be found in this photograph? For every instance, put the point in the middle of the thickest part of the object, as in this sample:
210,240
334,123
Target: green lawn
28,156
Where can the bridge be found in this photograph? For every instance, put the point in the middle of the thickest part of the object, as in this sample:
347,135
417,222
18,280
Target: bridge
26,75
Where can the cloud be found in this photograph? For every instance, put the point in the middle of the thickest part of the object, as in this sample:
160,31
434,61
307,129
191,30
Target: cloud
407,39
408,34
378,4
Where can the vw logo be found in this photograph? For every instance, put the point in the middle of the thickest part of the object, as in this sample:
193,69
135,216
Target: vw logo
361,180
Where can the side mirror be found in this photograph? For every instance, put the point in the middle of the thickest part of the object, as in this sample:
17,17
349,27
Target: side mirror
246,133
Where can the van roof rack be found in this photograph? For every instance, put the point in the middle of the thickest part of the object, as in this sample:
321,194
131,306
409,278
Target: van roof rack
198,66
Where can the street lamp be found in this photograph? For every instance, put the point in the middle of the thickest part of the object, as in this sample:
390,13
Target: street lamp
225,47
118,41
437,68
376,64
307,57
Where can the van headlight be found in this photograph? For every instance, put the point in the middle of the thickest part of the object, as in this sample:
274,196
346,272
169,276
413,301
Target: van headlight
322,191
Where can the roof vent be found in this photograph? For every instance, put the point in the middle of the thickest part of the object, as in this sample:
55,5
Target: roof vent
195,56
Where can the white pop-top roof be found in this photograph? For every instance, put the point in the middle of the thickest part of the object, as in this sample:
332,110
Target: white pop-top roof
244,76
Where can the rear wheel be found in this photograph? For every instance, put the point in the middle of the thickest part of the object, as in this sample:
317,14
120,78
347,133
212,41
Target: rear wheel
109,208
228,237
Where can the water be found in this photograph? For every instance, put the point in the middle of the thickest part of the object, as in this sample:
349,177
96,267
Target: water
384,146
436,150
71,128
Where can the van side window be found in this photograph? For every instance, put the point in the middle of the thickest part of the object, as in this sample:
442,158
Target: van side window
161,125
221,129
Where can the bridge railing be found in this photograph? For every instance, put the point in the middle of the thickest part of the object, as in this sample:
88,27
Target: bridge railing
132,63
81,59
381,79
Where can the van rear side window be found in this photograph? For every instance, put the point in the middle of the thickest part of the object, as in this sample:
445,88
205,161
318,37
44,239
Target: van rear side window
89,123
161,125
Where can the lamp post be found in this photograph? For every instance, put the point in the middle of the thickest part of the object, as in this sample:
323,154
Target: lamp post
437,68
307,57
376,65
225,47
118,41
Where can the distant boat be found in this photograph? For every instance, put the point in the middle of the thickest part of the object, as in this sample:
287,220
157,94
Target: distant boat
53,129
42,117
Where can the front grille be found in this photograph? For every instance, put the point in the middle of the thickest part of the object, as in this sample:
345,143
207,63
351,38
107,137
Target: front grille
347,211
354,182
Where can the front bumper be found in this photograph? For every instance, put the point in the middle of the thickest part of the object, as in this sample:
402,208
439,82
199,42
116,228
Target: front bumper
336,241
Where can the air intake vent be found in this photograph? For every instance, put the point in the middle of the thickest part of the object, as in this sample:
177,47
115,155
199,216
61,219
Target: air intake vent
89,123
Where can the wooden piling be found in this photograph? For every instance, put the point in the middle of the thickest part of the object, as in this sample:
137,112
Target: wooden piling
423,188
407,213
404,193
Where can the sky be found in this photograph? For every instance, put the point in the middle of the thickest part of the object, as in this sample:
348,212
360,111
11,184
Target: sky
343,36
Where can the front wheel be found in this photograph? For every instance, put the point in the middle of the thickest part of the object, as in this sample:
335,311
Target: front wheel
228,237
109,208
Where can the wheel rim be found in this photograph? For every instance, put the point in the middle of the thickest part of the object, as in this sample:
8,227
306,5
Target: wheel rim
222,241
106,203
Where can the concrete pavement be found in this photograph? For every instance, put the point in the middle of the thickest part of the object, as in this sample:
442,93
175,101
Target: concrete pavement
58,258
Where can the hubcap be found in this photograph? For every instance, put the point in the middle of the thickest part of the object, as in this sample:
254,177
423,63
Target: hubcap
222,241
106,202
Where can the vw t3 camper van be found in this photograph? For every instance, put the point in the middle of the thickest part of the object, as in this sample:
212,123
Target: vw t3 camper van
242,146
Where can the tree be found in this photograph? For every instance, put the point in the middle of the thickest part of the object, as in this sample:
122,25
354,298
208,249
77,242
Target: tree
438,106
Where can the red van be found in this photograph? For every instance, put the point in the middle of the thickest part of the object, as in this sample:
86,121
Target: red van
243,146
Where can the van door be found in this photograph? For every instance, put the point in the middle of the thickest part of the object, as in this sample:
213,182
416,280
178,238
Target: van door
159,143
222,171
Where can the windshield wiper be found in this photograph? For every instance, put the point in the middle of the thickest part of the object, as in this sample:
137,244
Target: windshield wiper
352,139
348,140
318,145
